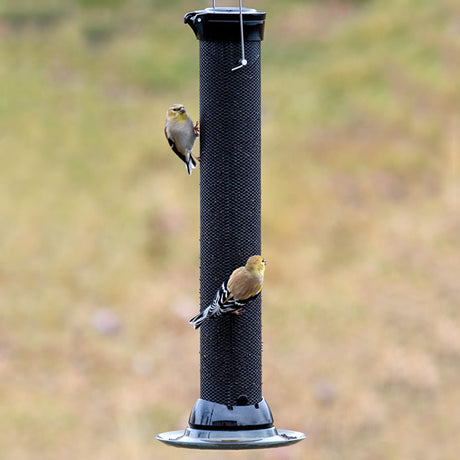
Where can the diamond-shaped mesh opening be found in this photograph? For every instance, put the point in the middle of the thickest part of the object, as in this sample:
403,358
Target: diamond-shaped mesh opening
231,346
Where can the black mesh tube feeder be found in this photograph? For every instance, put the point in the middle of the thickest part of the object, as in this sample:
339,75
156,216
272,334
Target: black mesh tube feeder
231,412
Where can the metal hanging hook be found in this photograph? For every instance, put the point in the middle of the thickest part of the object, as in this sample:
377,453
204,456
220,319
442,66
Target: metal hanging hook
243,60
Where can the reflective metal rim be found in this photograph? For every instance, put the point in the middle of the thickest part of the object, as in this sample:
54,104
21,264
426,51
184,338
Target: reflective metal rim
230,440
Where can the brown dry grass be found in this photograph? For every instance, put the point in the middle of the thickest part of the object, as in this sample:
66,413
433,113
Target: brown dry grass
361,223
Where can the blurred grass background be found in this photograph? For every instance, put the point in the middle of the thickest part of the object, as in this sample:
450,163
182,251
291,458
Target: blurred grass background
99,228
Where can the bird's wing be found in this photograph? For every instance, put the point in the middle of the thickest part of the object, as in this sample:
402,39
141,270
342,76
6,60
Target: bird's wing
224,294
174,148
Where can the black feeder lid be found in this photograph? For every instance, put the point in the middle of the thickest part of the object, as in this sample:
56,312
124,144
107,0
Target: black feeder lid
223,24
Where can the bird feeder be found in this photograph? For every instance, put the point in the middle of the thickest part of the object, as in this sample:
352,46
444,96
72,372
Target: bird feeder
231,412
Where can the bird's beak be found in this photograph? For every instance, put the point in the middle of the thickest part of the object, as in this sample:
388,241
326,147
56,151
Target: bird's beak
182,110
264,261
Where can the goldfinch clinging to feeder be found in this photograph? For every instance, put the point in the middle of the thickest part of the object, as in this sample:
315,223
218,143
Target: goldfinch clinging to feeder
244,284
181,134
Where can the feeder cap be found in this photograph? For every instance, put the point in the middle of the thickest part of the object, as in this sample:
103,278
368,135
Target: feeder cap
223,24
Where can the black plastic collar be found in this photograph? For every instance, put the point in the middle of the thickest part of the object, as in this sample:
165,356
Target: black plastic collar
223,24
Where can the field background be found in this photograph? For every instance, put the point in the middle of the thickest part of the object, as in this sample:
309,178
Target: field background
99,228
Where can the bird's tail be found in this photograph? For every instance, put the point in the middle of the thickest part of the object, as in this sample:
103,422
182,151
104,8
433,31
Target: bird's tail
190,164
198,319
219,305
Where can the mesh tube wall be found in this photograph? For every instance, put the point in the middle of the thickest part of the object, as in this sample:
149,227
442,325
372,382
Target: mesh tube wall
230,200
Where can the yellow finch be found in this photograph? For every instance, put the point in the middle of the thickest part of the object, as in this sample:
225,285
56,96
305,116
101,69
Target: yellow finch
244,284
181,134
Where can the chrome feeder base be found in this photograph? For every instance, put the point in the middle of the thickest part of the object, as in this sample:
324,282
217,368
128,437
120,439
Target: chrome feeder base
215,426
193,438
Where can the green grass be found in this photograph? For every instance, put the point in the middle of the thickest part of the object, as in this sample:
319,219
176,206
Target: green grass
361,139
